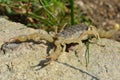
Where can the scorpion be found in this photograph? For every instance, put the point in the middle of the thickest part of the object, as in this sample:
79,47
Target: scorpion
72,34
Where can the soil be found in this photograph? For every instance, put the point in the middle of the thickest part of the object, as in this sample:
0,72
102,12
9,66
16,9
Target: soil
103,13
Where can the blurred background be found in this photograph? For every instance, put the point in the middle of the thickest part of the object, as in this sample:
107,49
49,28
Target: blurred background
54,15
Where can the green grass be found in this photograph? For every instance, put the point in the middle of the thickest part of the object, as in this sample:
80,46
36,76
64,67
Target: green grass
46,14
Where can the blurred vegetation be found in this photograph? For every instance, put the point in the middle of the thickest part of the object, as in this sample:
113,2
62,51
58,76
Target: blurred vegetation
46,14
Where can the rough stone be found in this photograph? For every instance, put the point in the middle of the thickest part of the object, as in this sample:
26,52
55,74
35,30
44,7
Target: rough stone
23,62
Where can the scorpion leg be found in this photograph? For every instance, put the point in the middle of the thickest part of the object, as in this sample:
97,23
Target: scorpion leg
55,54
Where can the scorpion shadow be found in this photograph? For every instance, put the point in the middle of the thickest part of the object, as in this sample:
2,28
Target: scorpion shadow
80,70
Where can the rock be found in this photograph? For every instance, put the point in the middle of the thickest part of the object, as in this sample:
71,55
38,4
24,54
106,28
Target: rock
23,62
